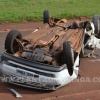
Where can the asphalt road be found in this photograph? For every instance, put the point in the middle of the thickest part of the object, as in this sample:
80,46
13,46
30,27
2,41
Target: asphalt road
83,88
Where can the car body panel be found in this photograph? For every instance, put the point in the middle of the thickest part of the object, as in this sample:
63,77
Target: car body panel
59,79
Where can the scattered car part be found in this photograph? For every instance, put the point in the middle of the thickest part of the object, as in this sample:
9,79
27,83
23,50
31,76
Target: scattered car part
11,45
16,93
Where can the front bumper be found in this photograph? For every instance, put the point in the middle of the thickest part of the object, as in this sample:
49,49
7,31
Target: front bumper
27,76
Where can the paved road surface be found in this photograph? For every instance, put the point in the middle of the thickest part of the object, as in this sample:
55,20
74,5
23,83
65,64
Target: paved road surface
89,70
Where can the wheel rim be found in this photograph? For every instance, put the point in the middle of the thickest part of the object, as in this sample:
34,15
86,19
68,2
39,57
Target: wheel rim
16,47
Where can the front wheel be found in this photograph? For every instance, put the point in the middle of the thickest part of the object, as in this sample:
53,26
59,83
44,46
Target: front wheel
68,54
11,45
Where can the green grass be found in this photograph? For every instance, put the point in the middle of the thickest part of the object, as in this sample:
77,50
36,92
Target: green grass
32,10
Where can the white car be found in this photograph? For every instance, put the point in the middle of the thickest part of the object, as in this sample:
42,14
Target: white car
43,62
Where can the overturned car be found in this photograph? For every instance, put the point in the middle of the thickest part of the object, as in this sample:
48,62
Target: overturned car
49,57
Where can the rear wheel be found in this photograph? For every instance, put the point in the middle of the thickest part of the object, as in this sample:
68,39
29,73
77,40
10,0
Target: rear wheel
96,22
11,44
46,17
68,53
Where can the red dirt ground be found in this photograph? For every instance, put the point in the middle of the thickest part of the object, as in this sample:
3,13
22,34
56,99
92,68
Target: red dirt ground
89,67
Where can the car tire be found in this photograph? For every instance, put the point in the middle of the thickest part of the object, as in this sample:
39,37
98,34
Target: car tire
46,17
11,45
68,56
96,22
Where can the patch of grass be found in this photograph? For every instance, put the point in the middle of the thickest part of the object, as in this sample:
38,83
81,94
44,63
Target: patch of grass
32,10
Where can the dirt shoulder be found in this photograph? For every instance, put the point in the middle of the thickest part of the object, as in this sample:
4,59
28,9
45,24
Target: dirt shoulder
29,25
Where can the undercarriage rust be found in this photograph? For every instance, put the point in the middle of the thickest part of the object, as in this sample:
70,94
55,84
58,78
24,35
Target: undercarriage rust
45,36
46,44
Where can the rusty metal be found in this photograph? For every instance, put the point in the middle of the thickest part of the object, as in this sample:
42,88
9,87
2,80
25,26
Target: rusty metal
76,39
37,55
56,36
62,39
20,44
